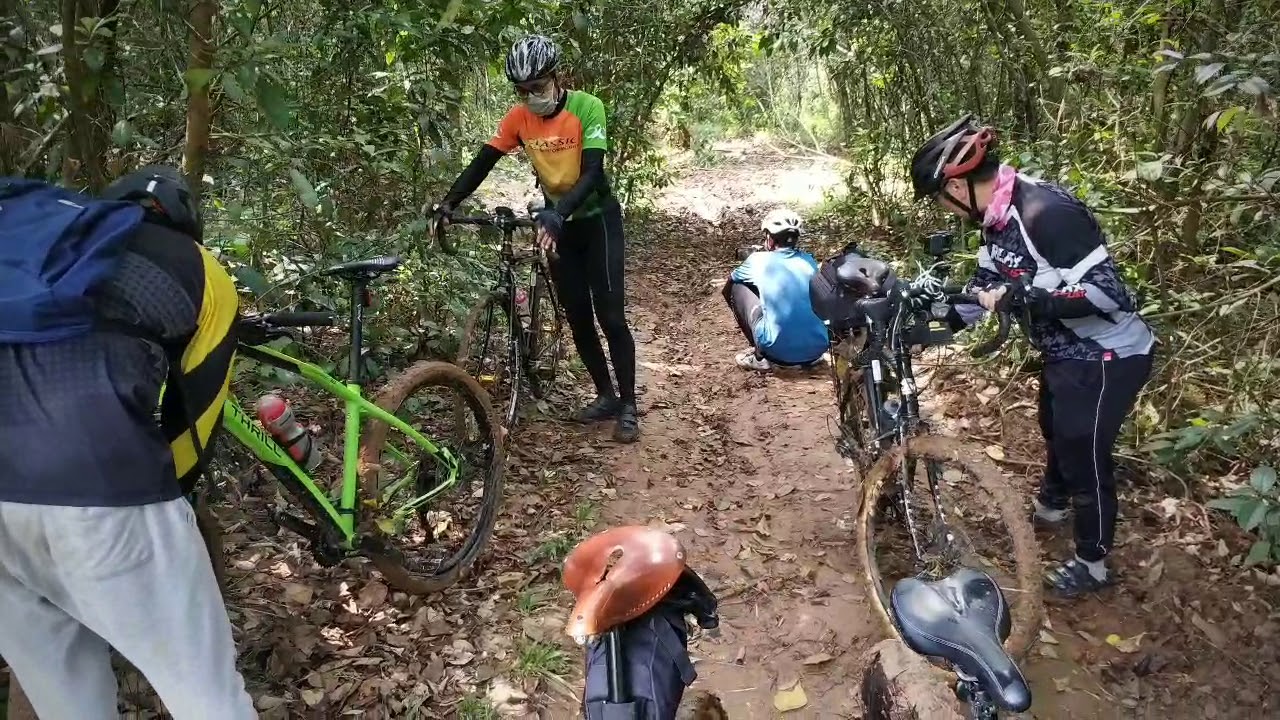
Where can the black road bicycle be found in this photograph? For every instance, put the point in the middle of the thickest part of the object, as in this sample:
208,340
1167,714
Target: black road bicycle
528,308
881,431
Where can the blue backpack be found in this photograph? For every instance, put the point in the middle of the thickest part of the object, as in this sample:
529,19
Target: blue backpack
56,248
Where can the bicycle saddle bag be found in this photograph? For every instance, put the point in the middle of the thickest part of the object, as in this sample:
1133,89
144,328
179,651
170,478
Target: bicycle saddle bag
843,280
656,666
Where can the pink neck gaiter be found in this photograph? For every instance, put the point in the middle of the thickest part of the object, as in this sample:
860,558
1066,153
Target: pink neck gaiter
997,213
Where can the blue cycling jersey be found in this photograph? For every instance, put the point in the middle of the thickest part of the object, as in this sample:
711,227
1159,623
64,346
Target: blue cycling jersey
789,332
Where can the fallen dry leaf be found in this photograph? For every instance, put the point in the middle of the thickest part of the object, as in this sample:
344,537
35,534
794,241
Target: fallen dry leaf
790,699
312,697
298,594
1125,645
1210,631
817,659
373,595
1045,637
995,452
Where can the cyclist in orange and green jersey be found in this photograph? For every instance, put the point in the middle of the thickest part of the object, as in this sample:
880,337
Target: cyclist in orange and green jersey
564,134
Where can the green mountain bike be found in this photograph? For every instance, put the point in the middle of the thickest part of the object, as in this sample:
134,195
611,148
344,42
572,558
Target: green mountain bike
387,507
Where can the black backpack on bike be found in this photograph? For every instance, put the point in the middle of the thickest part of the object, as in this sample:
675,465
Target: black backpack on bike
841,281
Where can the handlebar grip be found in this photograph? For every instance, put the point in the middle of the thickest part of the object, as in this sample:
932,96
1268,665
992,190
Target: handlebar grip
300,319
1002,335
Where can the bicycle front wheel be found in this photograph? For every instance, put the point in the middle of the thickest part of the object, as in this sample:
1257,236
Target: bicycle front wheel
986,508
424,506
546,336
487,353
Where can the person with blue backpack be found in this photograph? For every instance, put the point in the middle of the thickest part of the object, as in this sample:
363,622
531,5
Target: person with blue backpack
104,302
769,296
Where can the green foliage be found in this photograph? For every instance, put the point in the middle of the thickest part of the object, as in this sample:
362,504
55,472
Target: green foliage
1162,118
1256,508
333,124
535,658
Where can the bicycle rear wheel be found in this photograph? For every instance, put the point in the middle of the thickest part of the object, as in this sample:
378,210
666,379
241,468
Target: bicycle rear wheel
546,337
995,501
489,354
479,450
701,705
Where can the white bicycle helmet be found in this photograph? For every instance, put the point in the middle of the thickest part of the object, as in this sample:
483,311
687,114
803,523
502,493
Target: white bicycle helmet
532,57
781,220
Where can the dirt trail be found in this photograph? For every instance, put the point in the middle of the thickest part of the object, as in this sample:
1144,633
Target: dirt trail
739,466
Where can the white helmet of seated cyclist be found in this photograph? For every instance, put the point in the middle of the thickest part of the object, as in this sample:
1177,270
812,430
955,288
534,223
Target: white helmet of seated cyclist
780,221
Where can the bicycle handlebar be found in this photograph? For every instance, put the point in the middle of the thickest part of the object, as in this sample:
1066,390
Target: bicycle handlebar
955,296
299,318
503,219
499,222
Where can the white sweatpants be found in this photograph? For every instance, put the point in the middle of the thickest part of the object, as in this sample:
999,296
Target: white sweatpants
74,581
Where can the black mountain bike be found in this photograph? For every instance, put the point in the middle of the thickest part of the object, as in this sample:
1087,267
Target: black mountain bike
882,431
524,307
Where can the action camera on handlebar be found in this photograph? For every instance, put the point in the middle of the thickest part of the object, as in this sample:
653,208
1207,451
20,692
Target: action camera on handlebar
939,243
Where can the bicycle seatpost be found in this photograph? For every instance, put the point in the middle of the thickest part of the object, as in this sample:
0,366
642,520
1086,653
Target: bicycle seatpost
616,671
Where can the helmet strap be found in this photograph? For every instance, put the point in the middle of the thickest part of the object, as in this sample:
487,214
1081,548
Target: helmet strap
970,209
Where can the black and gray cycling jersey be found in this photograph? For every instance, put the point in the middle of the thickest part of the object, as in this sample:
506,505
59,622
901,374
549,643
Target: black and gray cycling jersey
1052,235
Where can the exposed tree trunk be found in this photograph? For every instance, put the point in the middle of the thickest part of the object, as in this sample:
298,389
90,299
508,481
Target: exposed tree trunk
897,684
198,109
91,115
10,144
1159,86
1052,89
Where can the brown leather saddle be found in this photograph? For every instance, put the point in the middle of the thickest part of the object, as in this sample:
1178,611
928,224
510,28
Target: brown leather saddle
618,575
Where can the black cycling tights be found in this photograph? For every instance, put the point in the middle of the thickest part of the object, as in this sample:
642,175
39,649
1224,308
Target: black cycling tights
588,276
744,300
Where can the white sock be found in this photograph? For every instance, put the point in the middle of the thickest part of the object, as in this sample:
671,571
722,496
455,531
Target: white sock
1047,513
1097,568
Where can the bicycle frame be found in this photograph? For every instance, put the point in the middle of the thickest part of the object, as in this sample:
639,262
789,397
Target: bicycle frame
336,518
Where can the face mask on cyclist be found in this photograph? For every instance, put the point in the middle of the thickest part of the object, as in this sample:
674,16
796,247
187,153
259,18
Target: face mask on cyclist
542,104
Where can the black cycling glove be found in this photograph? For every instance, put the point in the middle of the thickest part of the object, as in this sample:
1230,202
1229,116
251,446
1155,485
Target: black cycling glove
1050,305
551,221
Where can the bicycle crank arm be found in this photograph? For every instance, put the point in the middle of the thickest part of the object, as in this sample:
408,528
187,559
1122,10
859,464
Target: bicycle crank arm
325,552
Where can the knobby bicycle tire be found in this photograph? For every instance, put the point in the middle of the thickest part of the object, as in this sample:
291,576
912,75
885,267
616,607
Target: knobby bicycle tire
701,705
489,308
1027,607
853,415
211,532
539,338
390,398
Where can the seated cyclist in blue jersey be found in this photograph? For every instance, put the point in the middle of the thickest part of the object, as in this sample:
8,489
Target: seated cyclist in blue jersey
769,296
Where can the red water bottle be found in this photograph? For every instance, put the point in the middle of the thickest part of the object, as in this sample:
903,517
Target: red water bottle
277,417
